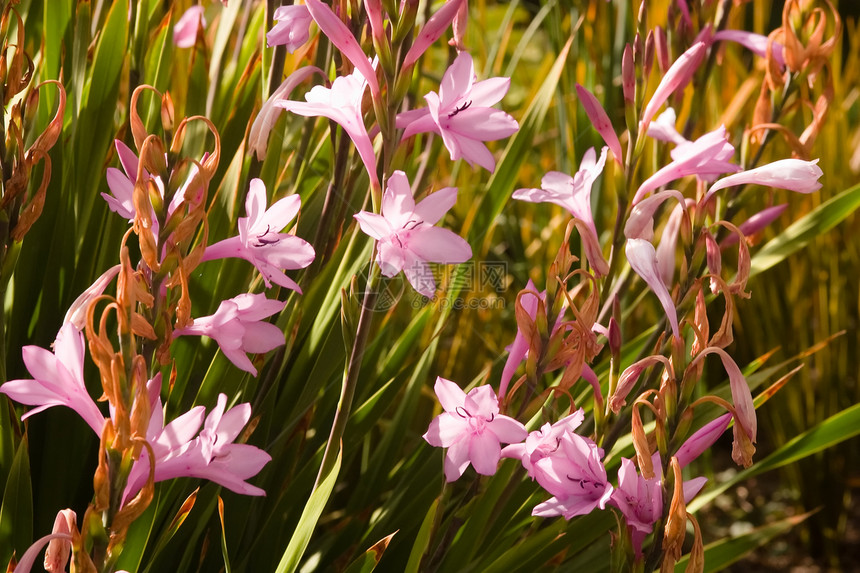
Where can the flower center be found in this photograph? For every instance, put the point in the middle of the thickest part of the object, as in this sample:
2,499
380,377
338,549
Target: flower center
463,107
267,238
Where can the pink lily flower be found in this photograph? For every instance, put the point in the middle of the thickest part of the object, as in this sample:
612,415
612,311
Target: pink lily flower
433,30
707,158
792,174
676,77
210,455
640,224
574,475
462,115
544,442
471,428
663,128
643,260
756,43
258,136
58,379
756,223
185,31
238,327
259,241
600,121
292,29
407,238
339,35
574,194
342,104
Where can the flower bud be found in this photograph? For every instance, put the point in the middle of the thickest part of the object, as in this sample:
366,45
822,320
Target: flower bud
661,48
628,75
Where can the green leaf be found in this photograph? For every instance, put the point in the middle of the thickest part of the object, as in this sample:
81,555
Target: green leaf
16,514
422,540
722,553
307,523
817,222
833,430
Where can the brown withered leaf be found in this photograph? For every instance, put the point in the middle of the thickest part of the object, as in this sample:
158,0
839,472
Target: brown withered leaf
31,212
138,129
46,140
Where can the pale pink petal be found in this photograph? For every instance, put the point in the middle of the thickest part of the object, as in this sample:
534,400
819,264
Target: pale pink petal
456,460
185,31
643,260
792,174
676,77
445,430
28,559
692,487
261,337
489,92
434,206
438,245
600,121
640,224
397,201
432,31
450,395
755,43
485,452
507,430
371,224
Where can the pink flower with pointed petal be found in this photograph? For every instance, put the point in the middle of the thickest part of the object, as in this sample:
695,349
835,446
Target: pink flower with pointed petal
471,428
238,327
676,77
519,348
574,194
663,128
574,475
702,439
210,455
58,379
77,313
342,104
339,35
433,30
292,29
643,260
756,223
600,121
669,242
60,548
707,158
259,241
185,31
407,237
544,442
462,114
792,174
640,224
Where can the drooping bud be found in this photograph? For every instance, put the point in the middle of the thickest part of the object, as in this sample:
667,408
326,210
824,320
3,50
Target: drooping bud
630,376
676,522
640,444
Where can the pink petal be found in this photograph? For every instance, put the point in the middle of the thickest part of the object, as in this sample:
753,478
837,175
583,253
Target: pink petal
434,206
397,202
600,121
792,174
373,225
261,337
755,43
185,31
489,92
432,31
445,430
450,395
456,460
643,260
640,224
419,275
676,77
438,245
281,213
258,137
756,223
481,123
485,452
507,430
702,440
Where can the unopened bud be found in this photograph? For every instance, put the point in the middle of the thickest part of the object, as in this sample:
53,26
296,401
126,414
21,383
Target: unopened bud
638,48
648,56
628,75
614,336
661,48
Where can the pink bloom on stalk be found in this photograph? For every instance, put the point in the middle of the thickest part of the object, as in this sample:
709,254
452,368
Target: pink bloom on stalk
707,158
574,475
640,500
77,313
544,442
756,43
462,114
640,224
181,452
238,327
407,237
702,439
519,348
259,241
631,375
663,128
756,223
669,241
339,35
60,548
676,77
792,174
643,260
433,30
342,104
58,379
185,31
574,194
292,29
471,428
600,121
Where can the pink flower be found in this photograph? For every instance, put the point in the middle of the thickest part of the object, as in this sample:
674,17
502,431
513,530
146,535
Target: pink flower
342,104
434,28
259,241
643,260
77,313
707,158
185,31
238,327
58,379
574,194
756,223
574,475
462,114
600,121
676,77
210,455
756,43
792,174
544,442
663,128
702,439
630,376
292,29
519,348
471,428
407,238
339,35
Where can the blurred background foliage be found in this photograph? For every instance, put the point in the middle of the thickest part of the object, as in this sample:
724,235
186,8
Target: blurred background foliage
391,480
